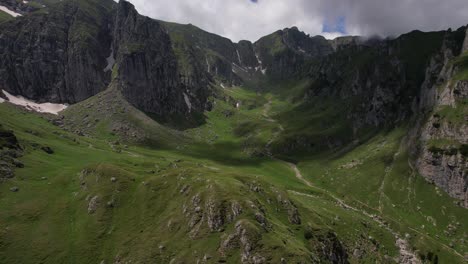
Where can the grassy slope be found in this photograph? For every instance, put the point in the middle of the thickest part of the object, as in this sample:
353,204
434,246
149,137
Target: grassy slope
219,159
374,177
55,209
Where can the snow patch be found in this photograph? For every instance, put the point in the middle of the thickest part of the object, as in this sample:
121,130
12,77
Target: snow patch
187,101
207,64
110,61
239,57
30,105
258,59
239,67
8,11
222,85
237,105
2,100
260,65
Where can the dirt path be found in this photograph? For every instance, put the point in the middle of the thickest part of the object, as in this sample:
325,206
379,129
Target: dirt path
407,256
388,170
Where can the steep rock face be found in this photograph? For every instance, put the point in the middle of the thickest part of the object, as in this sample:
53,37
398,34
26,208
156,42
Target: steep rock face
202,54
59,56
146,66
342,43
444,140
380,82
389,82
246,54
72,50
442,154
283,53
465,43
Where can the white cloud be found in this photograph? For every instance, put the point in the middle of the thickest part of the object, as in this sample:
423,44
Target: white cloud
242,19
235,19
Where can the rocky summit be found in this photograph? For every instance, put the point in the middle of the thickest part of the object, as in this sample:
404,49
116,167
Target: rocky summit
175,145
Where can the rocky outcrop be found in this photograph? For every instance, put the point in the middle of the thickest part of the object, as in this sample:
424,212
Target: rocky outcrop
327,246
146,66
465,43
10,151
447,170
245,238
442,157
283,53
213,214
384,82
292,211
93,204
72,51
246,54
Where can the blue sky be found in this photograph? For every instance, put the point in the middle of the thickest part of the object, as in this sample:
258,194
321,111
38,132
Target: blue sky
337,24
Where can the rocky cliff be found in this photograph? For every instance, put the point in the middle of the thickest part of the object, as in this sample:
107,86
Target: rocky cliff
57,56
442,157
465,43
283,54
145,65
72,50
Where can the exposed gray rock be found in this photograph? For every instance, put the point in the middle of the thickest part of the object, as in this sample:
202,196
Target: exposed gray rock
460,91
245,238
446,166
148,73
330,248
46,57
465,43
93,204
216,214
298,48
293,212
14,189
236,210
447,172
261,219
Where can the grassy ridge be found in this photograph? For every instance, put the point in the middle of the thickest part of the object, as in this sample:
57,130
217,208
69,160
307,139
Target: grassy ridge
145,191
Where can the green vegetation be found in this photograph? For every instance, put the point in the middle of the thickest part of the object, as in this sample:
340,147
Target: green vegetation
4,17
273,43
106,199
455,115
461,62
276,170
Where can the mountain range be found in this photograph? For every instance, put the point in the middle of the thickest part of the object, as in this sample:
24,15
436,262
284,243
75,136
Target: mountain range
126,139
